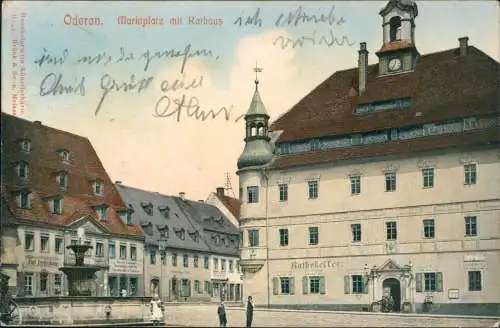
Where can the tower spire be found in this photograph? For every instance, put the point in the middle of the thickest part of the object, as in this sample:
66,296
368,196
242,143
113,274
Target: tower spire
257,70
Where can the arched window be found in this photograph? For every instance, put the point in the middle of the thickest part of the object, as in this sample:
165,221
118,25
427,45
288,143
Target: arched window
253,131
261,130
395,32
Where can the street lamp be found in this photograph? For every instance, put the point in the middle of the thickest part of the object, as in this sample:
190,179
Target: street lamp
162,246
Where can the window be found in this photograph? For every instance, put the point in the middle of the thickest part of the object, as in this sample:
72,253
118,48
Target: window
428,176
98,187
28,284
23,170
59,244
99,249
470,226
395,29
174,259
206,262
57,206
26,146
195,261
356,232
186,260
253,194
429,229
24,200
44,243
43,281
475,281
28,241
313,236
57,284
357,284
314,285
470,174
355,185
63,180
223,265
391,230
390,181
283,192
216,264
112,250
430,282
102,213
285,286
123,252
231,266
152,255
313,189
64,155
283,237
128,216
253,238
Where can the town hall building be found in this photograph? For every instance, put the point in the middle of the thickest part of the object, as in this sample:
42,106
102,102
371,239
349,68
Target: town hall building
383,180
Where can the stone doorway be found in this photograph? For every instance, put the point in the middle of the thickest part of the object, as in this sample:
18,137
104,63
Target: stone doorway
392,286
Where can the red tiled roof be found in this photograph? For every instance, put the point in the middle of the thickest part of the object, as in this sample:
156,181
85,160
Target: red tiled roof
44,164
232,204
395,45
443,86
467,139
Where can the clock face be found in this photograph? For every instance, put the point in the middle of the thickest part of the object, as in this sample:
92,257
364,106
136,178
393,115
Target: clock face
394,64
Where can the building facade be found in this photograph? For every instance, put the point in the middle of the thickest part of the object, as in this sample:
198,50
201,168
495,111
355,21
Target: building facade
54,184
384,180
224,240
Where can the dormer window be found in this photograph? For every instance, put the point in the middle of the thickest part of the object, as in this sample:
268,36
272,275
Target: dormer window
217,239
147,227
102,212
126,216
23,170
395,28
57,205
148,207
181,234
194,236
26,146
62,179
98,187
165,211
64,156
23,200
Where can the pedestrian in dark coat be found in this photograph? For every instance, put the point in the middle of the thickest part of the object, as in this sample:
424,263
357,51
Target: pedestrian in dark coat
249,312
221,311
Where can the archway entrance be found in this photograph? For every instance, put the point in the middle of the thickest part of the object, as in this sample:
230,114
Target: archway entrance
393,286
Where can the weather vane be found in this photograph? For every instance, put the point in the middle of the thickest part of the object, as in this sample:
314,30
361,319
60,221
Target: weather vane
257,69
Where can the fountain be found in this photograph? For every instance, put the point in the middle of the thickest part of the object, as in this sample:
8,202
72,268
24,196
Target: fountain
81,306
80,276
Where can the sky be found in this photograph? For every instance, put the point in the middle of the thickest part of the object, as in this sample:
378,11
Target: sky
138,131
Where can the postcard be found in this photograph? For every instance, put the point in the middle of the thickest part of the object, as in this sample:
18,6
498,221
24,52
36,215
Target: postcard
237,99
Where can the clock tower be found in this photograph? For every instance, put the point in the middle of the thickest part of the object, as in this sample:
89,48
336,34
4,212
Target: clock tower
398,53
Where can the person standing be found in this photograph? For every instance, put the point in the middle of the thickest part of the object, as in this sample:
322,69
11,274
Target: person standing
221,311
156,311
249,312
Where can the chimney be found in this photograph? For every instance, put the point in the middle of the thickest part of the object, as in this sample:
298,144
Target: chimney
182,195
362,66
37,122
220,191
464,45
118,182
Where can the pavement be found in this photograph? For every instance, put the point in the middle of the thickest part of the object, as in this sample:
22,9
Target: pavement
206,316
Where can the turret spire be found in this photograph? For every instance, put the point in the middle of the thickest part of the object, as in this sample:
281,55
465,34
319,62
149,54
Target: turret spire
257,146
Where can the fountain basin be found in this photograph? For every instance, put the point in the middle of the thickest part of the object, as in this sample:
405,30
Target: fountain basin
80,278
84,310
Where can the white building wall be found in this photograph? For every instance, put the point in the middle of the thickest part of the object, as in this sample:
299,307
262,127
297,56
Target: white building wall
333,212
